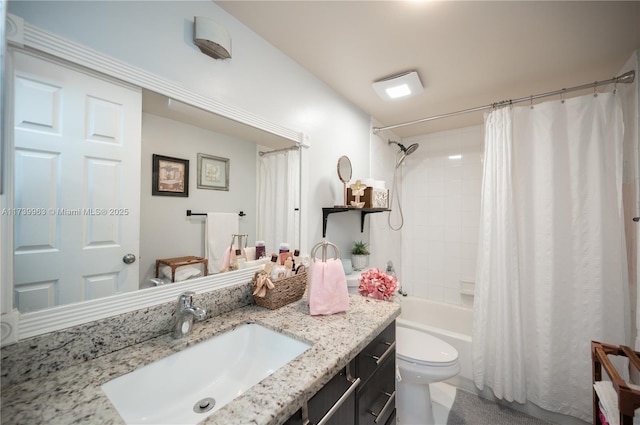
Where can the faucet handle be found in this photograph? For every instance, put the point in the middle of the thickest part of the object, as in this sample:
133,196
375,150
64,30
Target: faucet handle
390,268
185,299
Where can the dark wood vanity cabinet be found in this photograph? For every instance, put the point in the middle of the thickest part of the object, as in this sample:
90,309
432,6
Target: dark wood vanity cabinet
363,393
376,366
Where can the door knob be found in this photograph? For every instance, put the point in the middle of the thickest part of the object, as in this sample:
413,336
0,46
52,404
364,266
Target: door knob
129,258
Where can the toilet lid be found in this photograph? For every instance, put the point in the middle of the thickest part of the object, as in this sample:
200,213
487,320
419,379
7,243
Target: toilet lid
421,347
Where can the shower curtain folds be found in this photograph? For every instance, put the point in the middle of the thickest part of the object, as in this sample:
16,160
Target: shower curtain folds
278,197
499,361
551,272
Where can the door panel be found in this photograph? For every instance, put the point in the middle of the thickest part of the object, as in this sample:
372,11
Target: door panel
36,172
77,184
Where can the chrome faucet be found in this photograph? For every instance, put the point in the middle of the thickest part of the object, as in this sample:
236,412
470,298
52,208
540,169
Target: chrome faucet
185,314
392,272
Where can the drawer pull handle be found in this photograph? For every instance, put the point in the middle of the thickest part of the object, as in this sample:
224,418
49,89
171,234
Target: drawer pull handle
392,346
334,408
386,406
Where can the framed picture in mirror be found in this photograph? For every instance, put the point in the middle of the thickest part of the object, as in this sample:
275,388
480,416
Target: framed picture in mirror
170,176
213,172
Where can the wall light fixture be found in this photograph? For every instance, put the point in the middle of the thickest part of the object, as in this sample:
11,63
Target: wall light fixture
212,38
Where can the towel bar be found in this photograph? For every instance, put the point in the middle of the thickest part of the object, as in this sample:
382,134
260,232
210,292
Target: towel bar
189,213
324,245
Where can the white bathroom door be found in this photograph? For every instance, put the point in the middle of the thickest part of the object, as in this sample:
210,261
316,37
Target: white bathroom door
77,144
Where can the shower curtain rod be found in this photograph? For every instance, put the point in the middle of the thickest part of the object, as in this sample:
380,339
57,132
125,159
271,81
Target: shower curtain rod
625,78
290,148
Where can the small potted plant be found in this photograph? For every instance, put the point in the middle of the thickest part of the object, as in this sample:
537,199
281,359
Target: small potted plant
360,255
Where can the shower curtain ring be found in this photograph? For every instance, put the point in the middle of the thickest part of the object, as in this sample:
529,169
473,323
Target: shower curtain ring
595,91
531,101
562,95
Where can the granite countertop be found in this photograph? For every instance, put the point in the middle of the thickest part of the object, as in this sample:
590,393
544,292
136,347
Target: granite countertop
73,395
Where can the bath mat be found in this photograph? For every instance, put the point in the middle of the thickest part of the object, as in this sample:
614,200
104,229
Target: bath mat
469,409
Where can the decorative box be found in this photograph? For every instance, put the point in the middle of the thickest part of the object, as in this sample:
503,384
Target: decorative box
373,198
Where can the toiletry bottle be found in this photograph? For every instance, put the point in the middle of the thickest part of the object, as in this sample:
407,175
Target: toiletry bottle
260,250
233,262
288,265
296,257
284,247
269,266
241,260
284,252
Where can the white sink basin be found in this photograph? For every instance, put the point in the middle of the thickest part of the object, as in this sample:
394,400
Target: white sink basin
211,373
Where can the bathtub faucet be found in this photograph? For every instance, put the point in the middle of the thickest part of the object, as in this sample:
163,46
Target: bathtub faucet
392,272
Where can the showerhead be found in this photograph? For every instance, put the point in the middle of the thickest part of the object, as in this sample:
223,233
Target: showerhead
411,149
406,151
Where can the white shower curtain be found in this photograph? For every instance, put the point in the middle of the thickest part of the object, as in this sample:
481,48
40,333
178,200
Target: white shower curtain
278,198
552,272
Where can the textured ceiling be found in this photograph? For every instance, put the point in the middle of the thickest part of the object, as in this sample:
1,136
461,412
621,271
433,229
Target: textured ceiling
467,54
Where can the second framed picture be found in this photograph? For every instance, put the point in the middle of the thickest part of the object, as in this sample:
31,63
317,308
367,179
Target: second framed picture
213,172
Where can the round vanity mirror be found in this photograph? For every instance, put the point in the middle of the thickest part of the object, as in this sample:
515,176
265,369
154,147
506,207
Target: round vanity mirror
344,169
344,173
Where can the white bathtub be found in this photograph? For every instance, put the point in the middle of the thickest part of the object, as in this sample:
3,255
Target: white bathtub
452,324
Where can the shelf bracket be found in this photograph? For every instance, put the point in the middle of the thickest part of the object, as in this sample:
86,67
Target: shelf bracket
363,214
325,217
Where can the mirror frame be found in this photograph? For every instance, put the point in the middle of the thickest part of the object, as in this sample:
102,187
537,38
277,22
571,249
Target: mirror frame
342,161
17,326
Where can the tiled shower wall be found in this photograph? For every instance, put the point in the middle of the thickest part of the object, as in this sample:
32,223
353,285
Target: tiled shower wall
440,186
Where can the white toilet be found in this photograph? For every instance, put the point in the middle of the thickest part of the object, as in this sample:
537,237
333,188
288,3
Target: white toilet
421,359
353,281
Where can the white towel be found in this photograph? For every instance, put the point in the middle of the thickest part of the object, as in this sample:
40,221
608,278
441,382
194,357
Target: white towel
218,230
608,401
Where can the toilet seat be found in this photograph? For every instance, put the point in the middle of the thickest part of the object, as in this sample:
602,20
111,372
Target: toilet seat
424,349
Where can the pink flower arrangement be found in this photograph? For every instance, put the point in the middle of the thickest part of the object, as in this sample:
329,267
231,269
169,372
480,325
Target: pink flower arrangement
377,284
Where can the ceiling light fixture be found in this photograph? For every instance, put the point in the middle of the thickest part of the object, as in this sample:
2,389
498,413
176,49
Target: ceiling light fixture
402,85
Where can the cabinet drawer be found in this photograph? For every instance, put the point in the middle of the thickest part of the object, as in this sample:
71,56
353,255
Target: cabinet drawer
321,403
328,398
377,352
376,401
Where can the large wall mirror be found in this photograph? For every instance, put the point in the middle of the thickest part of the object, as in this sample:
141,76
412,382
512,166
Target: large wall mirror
89,201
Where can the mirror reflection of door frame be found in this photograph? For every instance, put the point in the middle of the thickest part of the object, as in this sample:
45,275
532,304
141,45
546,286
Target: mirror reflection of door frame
6,169
39,322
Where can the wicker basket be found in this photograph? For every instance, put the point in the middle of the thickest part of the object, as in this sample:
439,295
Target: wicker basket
286,291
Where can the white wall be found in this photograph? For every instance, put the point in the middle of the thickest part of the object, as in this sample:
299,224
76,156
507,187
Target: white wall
157,37
166,231
441,205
